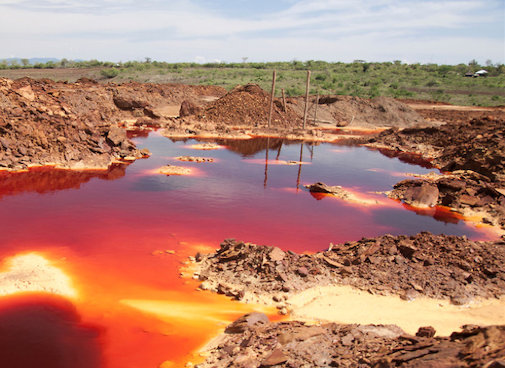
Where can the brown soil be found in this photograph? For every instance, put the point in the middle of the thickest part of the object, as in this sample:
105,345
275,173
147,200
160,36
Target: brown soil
249,105
447,113
76,125
436,266
253,341
359,112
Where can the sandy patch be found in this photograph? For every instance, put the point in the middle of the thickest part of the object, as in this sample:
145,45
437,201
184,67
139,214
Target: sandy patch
32,272
174,170
348,305
194,313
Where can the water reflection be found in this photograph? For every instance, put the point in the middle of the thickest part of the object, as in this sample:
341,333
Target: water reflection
46,332
46,179
408,158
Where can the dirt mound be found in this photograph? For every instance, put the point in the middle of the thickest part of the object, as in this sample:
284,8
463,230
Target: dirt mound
359,112
436,266
75,125
36,128
261,343
477,145
249,105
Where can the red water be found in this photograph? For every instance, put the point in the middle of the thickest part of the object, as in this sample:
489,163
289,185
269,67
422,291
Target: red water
110,237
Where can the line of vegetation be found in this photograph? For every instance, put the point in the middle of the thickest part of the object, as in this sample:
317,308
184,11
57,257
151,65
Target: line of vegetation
445,83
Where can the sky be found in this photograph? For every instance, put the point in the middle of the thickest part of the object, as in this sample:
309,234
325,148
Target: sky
424,31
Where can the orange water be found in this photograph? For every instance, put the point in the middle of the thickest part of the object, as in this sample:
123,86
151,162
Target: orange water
111,238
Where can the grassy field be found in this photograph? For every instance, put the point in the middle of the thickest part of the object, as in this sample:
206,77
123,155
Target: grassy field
418,81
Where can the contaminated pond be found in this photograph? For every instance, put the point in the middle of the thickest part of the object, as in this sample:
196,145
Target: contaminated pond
115,242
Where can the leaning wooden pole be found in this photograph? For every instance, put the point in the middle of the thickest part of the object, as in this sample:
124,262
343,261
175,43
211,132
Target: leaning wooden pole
283,100
315,107
272,99
307,87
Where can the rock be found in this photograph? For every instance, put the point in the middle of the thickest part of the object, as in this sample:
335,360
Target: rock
116,136
275,357
4,142
247,321
323,188
276,254
469,200
427,331
188,108
424,195
303,272
128,103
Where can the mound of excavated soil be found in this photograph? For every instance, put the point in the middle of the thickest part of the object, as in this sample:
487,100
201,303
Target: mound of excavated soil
249,105
436,266
73,125
359,112
477,145
253,341
37,129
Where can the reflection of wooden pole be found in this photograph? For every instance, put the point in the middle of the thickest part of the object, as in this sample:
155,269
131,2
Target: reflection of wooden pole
272,99
283,100
315,109
279,151
306,99
299,167
266,163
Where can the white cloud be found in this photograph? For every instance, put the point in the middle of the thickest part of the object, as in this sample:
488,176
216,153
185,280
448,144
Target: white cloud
313,29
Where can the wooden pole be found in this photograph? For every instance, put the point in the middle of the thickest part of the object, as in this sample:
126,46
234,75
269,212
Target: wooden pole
283,100
307,87
272,99
315,108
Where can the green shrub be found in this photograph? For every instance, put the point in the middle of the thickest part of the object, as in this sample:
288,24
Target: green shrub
109,73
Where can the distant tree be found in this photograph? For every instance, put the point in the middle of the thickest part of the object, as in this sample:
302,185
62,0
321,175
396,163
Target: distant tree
473,64
25,62
64,62
148,60
489,62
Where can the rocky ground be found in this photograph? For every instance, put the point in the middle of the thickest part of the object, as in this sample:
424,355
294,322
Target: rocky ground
465,192
472,152
436,266
79,125
253,341
477,144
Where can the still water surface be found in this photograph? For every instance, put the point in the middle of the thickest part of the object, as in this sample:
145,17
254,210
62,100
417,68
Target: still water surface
109,232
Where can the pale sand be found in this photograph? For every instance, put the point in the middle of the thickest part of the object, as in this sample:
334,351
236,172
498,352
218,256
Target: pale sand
195,313
344,304
33,273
